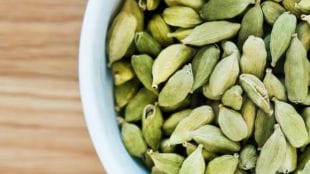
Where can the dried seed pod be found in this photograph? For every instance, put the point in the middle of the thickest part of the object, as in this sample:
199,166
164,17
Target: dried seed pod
248,113
226,164
171,123
290,161
233,97
196,4
146,44
125,92
122,72
190,148
274,86
263,127
181,16
248,157
272,11
149,4
195,158
159,30
168,163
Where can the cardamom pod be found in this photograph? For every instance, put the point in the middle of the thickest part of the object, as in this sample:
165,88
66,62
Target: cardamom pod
303,6
274,86
213,140
263,127
226,164
305,18
230,48
223,77
232,124
196,4
211,32
272,11
233,97
198,117
239,171
168,61
171,123
180,33
203,64
306,117
304,162
168,163
281,35
125,92
159,30
190,148
306,170
122,72
131,6
252,24
194,163
142,65
166,147
248,157
291,123
272,153
248,113
181,16
303,31
149,5
156,171
224,9
177,88
291,7
152,122
146,44
290,161
135,107
296,71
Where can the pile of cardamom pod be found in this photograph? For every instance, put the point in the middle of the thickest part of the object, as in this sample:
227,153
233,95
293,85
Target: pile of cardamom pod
213,86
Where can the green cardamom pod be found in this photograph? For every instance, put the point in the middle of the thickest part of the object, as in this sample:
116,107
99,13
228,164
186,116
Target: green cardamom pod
224,9
171,123
190,148
240,171
274,86
248,157
248,113
290,161
198,117
306,101
254,58
166,147
196,4
177,88
305,18
203,64
135,107
142,65
252,24
125,92
159,30
230,48
168,163
303,162
131,6
306,169
213,140
290,5
291,123
194,163
180,33
149,5
152,122
232,124
223,77
263,128
181,16
233,97
296,71
272,153
272,11
133,139
157,171
168,61
306,117
303,31
146,44
281,35
147,160
122,72
303,6
226,164
256,91
211,32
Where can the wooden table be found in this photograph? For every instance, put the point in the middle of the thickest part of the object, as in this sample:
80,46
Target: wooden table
42,129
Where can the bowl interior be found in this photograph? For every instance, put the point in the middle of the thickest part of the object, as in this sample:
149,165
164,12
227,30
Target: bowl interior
97,90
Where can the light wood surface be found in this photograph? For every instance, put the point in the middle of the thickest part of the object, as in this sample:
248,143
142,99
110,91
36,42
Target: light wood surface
42,129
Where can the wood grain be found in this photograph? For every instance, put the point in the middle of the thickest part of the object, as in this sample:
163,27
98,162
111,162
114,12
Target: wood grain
42,129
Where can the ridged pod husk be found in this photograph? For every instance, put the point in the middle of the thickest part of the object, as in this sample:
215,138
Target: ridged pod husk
248,157
233,97
272,11
180,33
303,6
168,163
166,147
131,6
306,117
191,147
173,120
303,32
194,158
226,164
290,161
290,5
122,72
230,48
196,4
146,44
181,16
125,92
149,4
159,30
274,86
248,113
263,128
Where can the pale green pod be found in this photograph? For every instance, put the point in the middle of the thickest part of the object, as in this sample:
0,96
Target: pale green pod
240,171
226,164
177,88
230,48
213,140
254,58
272,154
252,24
131,6
125,92
224,76
190,148
168,163
203,64
248,157
291,123
142,65
232,124
122,72
149,4
274,86
133,139
196,4
248,113
135,107
306,169
147,160
156,171
159,30
277,1
166,147
296,71
303,32
168,61
303,161
272,11
181,16
263,128
303,5
233,97
171,123
194,163
305,18
224,9
290,5
182,105
306,117
146,44
180,33
197,118
281,35
211,32
290,161
256,91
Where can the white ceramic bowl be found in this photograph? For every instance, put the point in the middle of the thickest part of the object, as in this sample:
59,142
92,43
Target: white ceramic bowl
97,90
